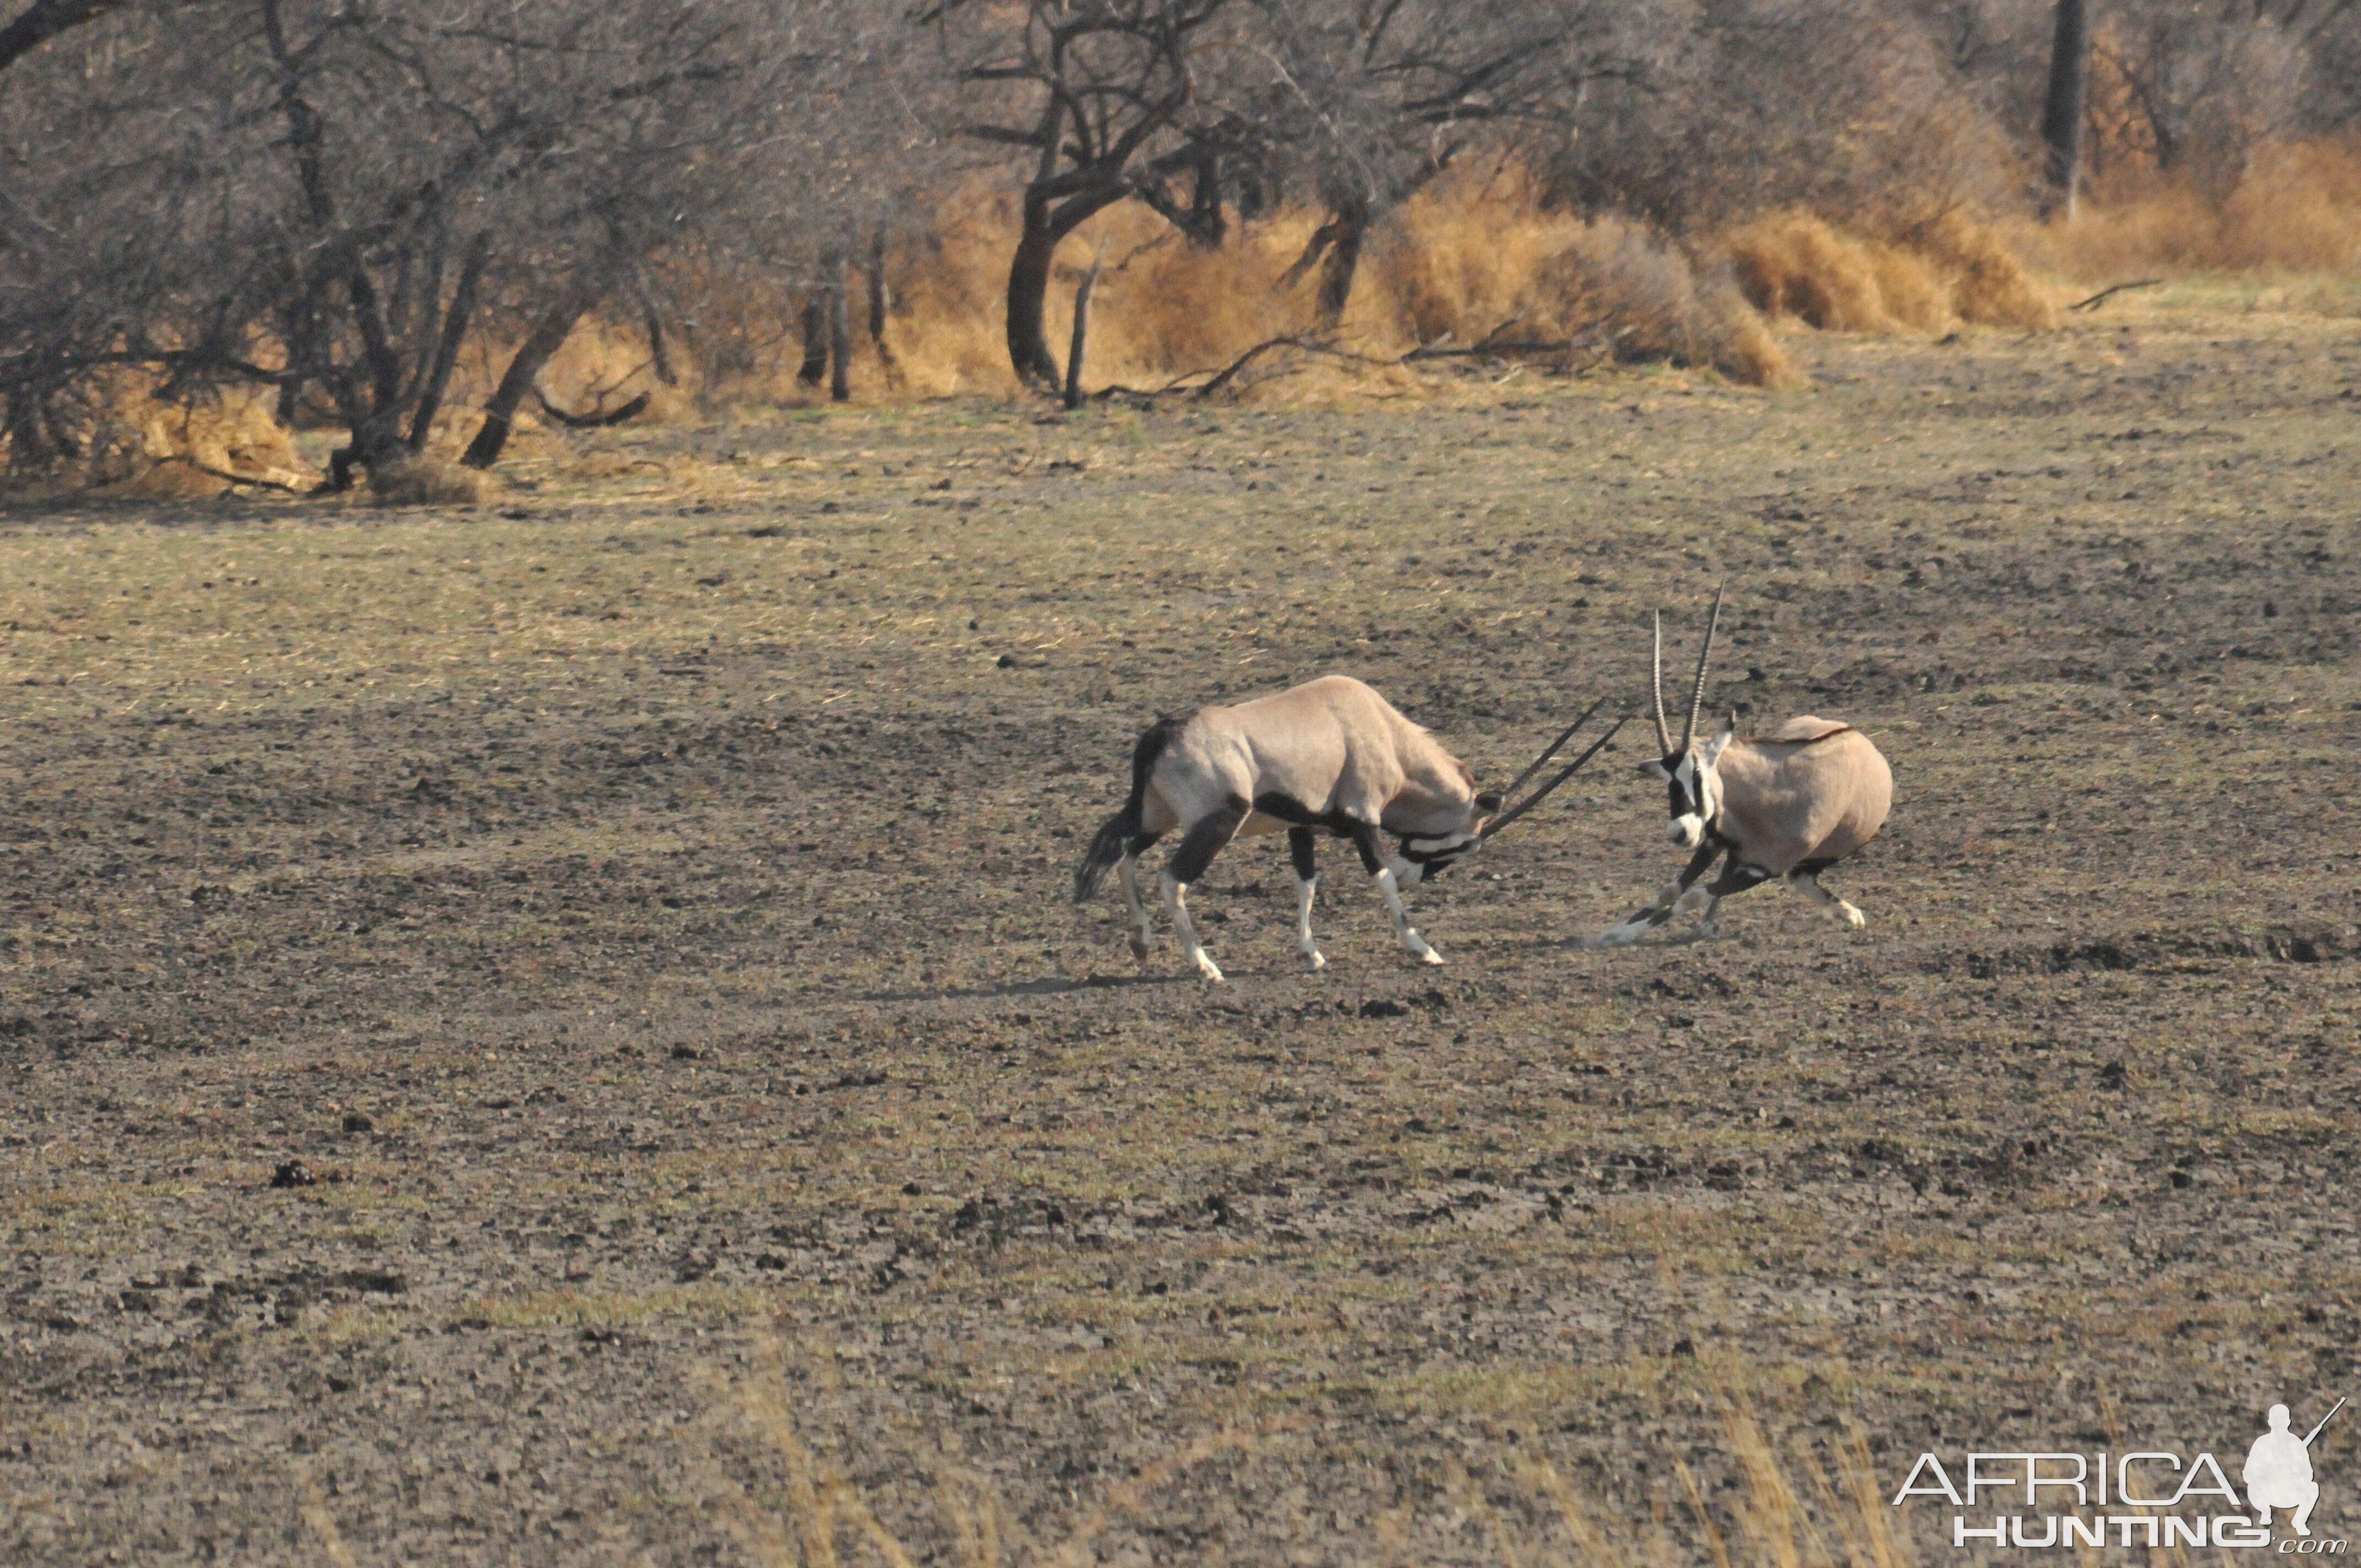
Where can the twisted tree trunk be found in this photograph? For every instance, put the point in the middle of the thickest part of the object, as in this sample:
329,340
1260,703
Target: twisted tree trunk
541,345
1028,277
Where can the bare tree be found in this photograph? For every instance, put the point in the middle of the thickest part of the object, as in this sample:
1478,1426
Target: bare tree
2210,79
1850,108
1379,100
326,201
1103,96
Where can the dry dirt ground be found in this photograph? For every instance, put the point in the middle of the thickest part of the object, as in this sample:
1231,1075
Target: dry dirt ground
640,906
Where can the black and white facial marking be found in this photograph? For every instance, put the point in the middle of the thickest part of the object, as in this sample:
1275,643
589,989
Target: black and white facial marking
1692,789
1429,855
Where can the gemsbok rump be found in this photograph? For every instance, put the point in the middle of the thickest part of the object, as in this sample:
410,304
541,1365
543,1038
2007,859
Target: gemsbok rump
1329,756
1790,804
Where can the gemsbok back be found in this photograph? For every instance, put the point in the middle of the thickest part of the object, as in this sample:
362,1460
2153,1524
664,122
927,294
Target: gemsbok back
1330,756
1790,804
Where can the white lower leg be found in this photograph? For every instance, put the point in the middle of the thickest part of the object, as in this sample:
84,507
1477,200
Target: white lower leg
1175,905
1639,925
1389,885
1809,886
1304,946
1710,923
1126,871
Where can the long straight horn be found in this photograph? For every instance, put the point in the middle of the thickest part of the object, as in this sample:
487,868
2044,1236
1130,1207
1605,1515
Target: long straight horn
1705,656
1542,794
1552,750
1664,734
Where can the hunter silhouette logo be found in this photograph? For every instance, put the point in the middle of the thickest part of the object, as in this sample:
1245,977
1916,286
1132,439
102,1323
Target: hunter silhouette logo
2278,1471
2068,1499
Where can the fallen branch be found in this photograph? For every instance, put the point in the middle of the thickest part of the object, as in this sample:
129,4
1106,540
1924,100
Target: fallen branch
590,421
1226,376
1487,350
212,473
1306,344
2098,298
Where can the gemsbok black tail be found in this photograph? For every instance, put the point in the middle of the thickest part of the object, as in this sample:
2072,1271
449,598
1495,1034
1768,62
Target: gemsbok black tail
1107,845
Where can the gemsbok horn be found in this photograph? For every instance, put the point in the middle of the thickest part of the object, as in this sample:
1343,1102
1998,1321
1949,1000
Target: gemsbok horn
1330,756
1790,805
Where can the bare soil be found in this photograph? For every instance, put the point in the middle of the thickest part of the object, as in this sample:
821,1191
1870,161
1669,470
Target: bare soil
638,906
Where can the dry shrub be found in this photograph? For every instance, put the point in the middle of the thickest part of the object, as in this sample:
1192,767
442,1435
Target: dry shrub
1792,264
1929,278
2296,209
425,482
1473,267
1989,283
127,441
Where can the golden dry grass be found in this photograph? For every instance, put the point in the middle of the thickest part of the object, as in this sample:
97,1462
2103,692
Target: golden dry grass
1800,1504
2296,210
1930,277
1468,267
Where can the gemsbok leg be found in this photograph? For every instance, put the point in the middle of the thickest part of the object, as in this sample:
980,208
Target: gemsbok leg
1299,848
1126,871
1660,909
1365,838
1805,879
1735,878
1198,847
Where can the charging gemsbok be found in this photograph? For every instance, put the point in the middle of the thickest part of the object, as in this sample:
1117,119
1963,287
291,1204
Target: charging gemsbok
1790,804
1330,755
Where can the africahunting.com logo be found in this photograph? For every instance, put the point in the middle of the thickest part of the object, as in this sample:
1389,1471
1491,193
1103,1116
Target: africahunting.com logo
2036,1500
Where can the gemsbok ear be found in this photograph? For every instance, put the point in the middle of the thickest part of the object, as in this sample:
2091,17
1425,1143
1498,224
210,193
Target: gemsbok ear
1654,768
1710,752
1488,803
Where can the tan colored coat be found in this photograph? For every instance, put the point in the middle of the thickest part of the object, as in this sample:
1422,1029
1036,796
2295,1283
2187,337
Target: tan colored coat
1813,789
1332,746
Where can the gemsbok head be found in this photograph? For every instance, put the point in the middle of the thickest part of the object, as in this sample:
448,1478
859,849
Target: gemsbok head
1787,804
1330,756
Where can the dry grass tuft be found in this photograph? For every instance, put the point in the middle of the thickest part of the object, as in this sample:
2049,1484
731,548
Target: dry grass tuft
1989,283
1930,278
425,482
1471,269
1792,264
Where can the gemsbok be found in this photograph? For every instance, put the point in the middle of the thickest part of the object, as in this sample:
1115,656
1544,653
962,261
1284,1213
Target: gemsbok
1790,804
1330,756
